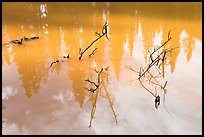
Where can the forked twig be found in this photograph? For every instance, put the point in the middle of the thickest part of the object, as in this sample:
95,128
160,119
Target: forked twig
93,52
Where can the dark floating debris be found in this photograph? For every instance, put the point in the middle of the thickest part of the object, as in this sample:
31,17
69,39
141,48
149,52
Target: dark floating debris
28,39
19,42
57,61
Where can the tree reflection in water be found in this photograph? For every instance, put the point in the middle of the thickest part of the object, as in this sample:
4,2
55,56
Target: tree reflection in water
29,62
101,88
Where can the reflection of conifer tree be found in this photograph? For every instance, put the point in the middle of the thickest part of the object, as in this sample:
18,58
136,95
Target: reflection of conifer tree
148,30
174,43
132,31
74,73
117,37
189,48
57,68
31,67
131,39
151,26
54,45
78,71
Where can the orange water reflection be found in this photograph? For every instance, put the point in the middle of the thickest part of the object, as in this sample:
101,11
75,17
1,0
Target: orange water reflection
63,28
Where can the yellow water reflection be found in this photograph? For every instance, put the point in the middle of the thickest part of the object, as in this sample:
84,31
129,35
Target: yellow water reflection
64,28
78,72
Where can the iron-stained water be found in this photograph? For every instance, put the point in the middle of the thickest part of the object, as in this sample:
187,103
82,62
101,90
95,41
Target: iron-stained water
37,99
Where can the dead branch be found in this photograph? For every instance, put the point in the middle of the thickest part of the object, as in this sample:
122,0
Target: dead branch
87,80
106,69
147,89
132,69
57,61
19,42
31,38
169,38
92,89
93,52
158,59
103,33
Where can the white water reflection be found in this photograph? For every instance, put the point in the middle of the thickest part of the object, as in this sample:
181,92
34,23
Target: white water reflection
138,50
15,129
157,40
43,10
8,91
63,46
135,116
57,105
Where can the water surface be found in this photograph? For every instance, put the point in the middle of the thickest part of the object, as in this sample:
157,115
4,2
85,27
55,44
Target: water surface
41,100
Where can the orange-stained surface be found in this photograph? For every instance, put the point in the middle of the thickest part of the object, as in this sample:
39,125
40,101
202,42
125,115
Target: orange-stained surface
38,99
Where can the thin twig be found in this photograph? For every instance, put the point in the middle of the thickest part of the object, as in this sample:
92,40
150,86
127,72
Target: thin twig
57,61
93,52
147,89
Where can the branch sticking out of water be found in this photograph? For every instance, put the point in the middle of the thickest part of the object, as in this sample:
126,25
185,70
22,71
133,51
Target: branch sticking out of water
93,52
19,42
157,58
104,32
57,61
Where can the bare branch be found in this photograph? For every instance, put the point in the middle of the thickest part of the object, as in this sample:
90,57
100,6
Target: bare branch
87,80
57,61
93,52
131,69
104,32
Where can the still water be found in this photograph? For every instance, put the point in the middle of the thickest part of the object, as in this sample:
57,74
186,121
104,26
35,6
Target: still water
38,99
